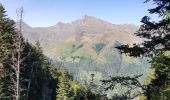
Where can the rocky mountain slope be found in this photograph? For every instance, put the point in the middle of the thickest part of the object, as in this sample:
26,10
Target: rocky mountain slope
87,45
87,29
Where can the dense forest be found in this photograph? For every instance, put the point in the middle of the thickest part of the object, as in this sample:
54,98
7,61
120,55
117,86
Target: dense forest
27,74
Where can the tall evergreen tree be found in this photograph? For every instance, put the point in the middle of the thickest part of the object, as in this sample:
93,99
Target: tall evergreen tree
160,82
7,39
63,87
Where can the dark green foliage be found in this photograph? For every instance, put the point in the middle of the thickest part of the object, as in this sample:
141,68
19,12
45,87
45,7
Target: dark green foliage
36,67
7,35
161,66
63,87
160,83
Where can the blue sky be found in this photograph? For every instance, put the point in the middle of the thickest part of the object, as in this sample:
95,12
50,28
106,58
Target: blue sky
49,12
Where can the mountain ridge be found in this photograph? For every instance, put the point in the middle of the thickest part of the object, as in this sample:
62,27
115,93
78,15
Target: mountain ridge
81,18
86,29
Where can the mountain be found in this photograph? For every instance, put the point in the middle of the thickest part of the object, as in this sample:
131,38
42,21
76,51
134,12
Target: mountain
86,29
87,45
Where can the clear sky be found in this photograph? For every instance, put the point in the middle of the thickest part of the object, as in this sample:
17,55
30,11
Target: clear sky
49,12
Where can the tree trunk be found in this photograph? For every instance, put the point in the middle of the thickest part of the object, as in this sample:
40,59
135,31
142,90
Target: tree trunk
18,94
19,58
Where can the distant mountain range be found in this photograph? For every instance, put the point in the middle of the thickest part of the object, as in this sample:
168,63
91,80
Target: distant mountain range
87,45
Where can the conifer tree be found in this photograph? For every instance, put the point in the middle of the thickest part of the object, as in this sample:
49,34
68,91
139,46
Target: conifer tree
63,87
160,82
7,44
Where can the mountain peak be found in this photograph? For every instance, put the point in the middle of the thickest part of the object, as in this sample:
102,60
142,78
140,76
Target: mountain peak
60,23
89,20
88,17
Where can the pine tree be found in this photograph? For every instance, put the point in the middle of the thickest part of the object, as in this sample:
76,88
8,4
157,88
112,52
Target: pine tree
7,40
63,87
35,67
161,76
